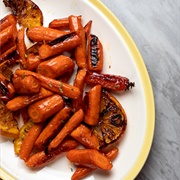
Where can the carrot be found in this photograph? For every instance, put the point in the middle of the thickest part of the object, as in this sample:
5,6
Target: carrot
80,52
59,87
26,85
89,158
56,66
67,128
23,101
28,143
85,136
66,76
87,28
52,127
42,158
40,33
79,83
95,53
33,61
62,23
8,20
92,105
8,52
24,114
43,109
59,45
21,47
109,81
82,172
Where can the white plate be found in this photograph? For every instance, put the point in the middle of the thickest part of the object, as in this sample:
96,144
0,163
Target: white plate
121,57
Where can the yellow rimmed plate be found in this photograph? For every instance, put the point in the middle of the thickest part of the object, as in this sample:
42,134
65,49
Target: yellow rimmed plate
121,57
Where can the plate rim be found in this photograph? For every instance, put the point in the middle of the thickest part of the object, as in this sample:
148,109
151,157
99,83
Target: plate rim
148,92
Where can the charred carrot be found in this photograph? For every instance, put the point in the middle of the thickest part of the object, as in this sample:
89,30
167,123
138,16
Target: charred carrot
79,82
26,85
7,53
80,52
56,66
52,128
85,136
92,105
82,172
43,157
109,81
21,47
43,109
23,101
67,128
40,33
59,45
8,20
95,53
33,61
89,158
28,143
87,28
59,87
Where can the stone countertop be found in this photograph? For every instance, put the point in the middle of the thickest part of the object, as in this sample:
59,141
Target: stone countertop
154,26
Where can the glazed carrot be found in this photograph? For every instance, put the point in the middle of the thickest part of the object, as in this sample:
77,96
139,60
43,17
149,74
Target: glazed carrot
7,21
23,101
56,66
42,158
43,109
80,52
87,28
41,33
109,81
92,105
85,136
33,61
79,82
6,88
26,85
59,45
21,47
52,127
8,52
59,87
62,23
66,76
28,143
89,158
82,172
67,128
95,53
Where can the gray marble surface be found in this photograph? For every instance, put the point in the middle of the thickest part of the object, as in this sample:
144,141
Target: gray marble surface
154,26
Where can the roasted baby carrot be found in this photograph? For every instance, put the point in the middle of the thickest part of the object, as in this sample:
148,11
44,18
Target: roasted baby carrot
85,136
109,81
7,53
87,28
92,105
82,172
62,23
95,53
67,128
23,101
89,158
43,109
8,20
79,82
33,61
56,66
21,47
59,45
52,128
41,33
80,51
26,85
43,157
28,143
59,87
